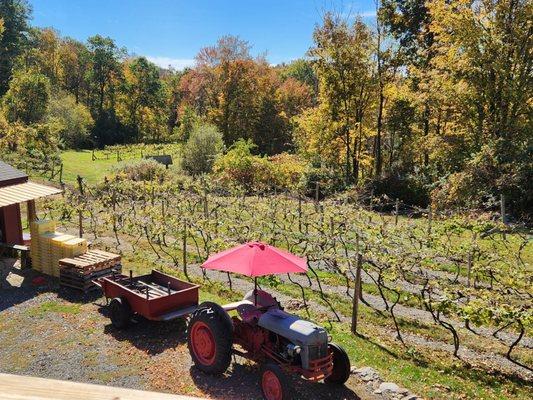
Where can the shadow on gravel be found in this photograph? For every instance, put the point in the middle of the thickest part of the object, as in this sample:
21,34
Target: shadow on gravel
77,296
17,286
241,382
151,337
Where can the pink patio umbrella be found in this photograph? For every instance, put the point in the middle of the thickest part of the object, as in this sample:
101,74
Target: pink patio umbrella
256,259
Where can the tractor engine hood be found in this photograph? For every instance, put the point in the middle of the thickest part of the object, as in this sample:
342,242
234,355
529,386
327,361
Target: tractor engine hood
297,330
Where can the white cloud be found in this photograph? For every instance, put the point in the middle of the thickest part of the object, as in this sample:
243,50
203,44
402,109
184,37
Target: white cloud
176,63
368,14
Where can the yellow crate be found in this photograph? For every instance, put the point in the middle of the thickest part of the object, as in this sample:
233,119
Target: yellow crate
42,226
74,247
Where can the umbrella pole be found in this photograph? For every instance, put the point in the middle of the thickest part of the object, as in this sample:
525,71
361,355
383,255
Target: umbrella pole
255,291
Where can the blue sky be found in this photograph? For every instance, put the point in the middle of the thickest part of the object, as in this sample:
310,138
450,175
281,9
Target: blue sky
170,32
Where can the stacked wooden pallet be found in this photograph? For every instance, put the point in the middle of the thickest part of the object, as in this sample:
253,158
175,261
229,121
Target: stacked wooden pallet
80,271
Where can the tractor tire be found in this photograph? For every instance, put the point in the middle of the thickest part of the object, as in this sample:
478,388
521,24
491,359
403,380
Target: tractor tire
210,338
341,366
274,383
120,313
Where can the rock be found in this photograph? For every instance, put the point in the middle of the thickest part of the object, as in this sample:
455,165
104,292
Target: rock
388,387
410,396
366,373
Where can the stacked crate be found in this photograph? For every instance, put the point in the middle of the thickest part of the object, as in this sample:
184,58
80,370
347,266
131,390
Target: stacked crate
48,246
80,271
37,229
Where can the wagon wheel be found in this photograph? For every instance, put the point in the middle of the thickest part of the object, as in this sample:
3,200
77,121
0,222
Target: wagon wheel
121,313
341,365
210,338
274,383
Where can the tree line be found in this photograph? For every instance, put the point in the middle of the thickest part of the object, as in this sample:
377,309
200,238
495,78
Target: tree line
431,102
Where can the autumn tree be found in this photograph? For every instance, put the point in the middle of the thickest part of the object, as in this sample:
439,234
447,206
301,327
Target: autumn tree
26,101
141,93
483,65
342,58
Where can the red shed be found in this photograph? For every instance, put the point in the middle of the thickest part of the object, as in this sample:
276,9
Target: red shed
15,189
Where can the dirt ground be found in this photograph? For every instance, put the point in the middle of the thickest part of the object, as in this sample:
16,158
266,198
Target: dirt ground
53,332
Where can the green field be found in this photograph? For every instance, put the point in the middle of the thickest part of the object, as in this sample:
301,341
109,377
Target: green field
80,162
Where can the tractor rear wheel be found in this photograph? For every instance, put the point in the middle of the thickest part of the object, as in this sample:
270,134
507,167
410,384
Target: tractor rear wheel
341,365
274,383
121,313
210,338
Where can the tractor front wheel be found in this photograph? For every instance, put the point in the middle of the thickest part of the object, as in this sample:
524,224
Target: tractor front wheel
341,365
274,384
210,338
121,313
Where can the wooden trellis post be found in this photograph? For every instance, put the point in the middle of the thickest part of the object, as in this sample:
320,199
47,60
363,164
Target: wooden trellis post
357,289
80,213
396,212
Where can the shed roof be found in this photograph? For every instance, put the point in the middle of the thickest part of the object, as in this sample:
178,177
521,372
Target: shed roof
9,175
22,192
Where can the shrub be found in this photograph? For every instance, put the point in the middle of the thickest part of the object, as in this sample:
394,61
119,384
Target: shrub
142,170
73,121
410,189
202,149
330,181
288,170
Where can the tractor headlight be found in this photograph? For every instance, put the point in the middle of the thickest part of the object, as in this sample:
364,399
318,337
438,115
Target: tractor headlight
293,350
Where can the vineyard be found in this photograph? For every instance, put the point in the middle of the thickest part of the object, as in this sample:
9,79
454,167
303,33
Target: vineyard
445,299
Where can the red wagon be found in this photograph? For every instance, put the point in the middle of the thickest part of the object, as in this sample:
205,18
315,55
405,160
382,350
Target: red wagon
155,296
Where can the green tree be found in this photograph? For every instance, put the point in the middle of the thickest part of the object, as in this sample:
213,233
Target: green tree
27,99
15,15
105,68
342,58
72,120
74,60
202,149
141,90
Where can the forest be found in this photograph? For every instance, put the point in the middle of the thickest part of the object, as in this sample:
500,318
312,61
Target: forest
430,104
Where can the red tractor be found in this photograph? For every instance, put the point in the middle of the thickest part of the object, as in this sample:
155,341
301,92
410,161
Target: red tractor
263,332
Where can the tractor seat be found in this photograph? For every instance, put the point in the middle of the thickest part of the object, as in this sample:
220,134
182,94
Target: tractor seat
233,306
249,313
264,300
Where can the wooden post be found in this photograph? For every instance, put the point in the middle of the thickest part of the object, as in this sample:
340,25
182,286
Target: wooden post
396,212
32,211
502,209
469,266
61,173
430,219
357,288
80,213
185,247
93,156
300,213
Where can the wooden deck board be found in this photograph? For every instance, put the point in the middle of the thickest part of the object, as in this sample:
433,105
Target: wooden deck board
15,387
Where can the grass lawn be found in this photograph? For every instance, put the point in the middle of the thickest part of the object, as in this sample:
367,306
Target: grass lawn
80,162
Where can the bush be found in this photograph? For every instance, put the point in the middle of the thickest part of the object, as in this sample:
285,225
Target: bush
288,170
241,168
73,121
330,181
202,149
142,170
410,189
